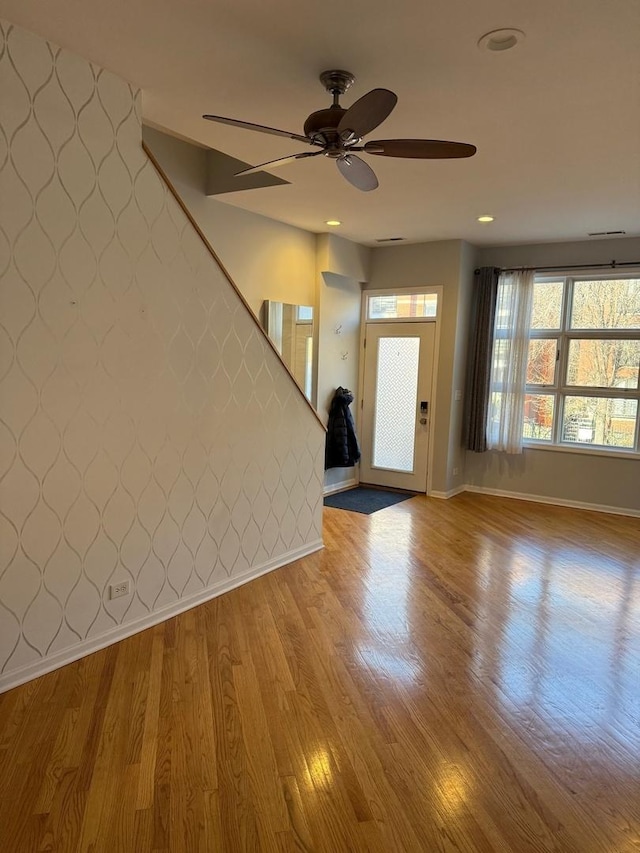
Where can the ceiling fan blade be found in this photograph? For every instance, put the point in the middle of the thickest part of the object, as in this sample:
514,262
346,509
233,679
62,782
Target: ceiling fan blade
281,161
420,149
367,113
357,172
247,125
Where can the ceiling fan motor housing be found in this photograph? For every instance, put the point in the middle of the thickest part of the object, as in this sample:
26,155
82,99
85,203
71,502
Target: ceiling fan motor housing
324,123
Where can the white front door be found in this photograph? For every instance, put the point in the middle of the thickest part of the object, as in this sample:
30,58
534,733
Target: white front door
396,404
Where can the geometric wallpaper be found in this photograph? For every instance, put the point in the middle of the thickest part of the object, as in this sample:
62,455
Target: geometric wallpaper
148,432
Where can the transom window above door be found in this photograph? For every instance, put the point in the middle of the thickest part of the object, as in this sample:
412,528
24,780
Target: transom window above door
408,305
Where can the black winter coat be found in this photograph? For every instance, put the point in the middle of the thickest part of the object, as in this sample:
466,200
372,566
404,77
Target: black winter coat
342,449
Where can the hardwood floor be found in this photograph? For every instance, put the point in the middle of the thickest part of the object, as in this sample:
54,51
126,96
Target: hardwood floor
457,675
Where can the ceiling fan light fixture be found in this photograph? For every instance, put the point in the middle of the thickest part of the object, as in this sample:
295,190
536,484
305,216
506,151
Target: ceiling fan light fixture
499,40
486,218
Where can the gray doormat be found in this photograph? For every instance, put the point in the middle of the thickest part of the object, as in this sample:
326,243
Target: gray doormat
364,500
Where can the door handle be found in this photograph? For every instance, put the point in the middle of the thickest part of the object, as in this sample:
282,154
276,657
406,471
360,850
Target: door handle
423,421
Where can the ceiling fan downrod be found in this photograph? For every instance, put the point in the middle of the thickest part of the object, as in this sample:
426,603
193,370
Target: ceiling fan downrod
337,82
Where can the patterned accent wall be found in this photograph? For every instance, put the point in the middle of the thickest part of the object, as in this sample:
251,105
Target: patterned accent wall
148,433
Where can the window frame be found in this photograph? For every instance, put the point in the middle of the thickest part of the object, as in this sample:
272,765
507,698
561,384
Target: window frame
560,389
436,291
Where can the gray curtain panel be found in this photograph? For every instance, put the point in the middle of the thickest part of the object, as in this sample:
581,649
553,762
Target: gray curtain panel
485,291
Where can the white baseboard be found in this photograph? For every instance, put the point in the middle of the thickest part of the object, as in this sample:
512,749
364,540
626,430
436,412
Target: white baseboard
342,486
121,632
542,499
446,495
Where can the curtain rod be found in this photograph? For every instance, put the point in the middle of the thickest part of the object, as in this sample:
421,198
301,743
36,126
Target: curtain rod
612,264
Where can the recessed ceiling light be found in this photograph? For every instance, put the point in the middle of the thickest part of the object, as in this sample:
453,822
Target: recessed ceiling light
498,40
486,218
333,222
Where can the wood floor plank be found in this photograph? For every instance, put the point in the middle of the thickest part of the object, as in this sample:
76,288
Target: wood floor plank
455,676
262,767
149,746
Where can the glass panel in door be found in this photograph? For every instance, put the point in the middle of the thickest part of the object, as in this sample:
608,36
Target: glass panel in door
394,428
395,414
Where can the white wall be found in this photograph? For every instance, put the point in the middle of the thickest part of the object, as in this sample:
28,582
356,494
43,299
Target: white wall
571,476
149,433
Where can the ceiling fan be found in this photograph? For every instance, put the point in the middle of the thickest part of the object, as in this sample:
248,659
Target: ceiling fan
337,133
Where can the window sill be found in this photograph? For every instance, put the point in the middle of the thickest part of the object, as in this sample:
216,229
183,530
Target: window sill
583,451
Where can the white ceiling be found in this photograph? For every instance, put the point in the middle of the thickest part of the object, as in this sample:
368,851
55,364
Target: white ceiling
556,120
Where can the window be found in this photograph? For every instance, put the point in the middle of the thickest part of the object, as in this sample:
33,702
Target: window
304,314
402,306
582,385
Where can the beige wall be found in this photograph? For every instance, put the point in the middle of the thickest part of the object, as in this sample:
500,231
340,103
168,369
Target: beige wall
575,478
458,429
553,474
342,268
266,259
554,254
343,257
149,433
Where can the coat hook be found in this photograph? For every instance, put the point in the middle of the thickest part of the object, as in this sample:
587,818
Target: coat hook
338,329
344,355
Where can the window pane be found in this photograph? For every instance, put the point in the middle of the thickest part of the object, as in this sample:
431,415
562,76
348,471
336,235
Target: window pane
305,314
603,363
504,301
612,304
402,306
599,420
541,366
546,312
538,416
394,427
500,356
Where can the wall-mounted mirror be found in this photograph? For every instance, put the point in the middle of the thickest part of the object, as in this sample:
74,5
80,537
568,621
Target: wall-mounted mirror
290,327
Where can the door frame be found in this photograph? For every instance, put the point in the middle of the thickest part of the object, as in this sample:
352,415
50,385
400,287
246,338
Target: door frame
391,291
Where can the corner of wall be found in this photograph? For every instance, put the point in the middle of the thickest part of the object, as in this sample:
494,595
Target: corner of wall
457,454
340,267
343,257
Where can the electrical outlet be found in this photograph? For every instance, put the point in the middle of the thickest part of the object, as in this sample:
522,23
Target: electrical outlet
456,471
117,590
